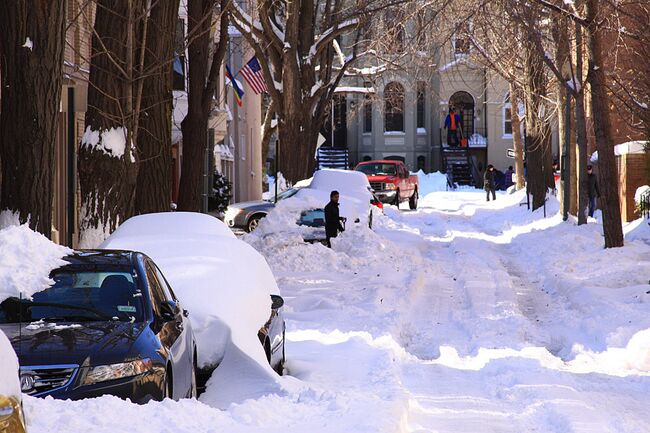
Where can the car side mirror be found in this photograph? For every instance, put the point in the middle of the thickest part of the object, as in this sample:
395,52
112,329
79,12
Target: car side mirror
168,310
276,302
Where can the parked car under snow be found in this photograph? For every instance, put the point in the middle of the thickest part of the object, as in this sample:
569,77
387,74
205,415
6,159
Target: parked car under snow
357,203
227,286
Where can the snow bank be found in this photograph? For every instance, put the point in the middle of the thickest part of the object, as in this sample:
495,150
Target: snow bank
9,381
27,258
223,283
431,182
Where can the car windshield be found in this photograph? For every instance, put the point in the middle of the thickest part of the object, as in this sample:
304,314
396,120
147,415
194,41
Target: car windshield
378,169
312,218
284,194
79,296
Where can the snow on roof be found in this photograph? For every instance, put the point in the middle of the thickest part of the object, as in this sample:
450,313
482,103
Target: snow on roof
223,282
628,148
352,89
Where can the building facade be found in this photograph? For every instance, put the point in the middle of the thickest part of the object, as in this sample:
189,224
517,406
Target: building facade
400,115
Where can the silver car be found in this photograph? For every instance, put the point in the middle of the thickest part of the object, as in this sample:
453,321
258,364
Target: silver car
247,215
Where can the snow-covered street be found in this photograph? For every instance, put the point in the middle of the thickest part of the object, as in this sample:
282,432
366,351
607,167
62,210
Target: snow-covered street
462,316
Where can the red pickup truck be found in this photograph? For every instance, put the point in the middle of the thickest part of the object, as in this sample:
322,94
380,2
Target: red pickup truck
391,181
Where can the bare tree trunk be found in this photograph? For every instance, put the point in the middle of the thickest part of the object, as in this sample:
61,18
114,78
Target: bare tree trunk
31,46
581,133
537,129
153,189
573,167
516,137
107,161
607,172
203,76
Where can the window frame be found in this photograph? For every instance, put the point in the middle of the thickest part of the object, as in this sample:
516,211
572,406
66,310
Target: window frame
507,105
393,116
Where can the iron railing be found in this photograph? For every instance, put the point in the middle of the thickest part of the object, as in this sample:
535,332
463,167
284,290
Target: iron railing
644,204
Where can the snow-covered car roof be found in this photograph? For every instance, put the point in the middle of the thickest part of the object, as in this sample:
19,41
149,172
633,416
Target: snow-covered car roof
181,223
353,188
223,282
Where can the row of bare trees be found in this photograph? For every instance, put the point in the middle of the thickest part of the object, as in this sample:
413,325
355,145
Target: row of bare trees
124,158
551,52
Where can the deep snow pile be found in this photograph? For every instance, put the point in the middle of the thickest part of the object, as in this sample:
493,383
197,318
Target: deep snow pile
26,260
431,182
464,316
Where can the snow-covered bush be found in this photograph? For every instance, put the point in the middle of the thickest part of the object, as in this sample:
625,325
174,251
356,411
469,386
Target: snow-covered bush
640,191
221,193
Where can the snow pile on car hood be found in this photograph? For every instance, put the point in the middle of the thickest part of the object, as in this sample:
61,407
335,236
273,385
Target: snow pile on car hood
223,283
26,260
9,382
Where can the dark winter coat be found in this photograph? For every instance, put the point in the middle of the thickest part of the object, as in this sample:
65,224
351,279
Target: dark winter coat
332,219
488,180
594,191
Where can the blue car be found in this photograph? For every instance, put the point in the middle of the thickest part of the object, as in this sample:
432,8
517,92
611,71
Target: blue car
110,324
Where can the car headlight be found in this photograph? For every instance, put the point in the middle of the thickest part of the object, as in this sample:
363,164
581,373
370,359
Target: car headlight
102,373
390,186
232,212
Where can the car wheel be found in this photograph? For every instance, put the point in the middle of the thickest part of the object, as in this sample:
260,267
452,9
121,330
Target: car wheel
413,201
253,223
397,199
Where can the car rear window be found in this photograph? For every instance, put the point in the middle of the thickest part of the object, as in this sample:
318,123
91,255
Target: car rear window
80,296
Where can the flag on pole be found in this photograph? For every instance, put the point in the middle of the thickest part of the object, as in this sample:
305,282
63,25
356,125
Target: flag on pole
239,92
254,76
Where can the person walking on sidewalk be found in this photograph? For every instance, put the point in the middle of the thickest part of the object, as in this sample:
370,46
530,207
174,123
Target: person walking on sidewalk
593,191
488,182
333,222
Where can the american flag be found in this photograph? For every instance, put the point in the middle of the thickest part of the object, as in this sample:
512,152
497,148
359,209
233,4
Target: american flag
254,76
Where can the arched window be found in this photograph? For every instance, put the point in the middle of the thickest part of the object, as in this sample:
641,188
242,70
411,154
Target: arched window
394,107
420,104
